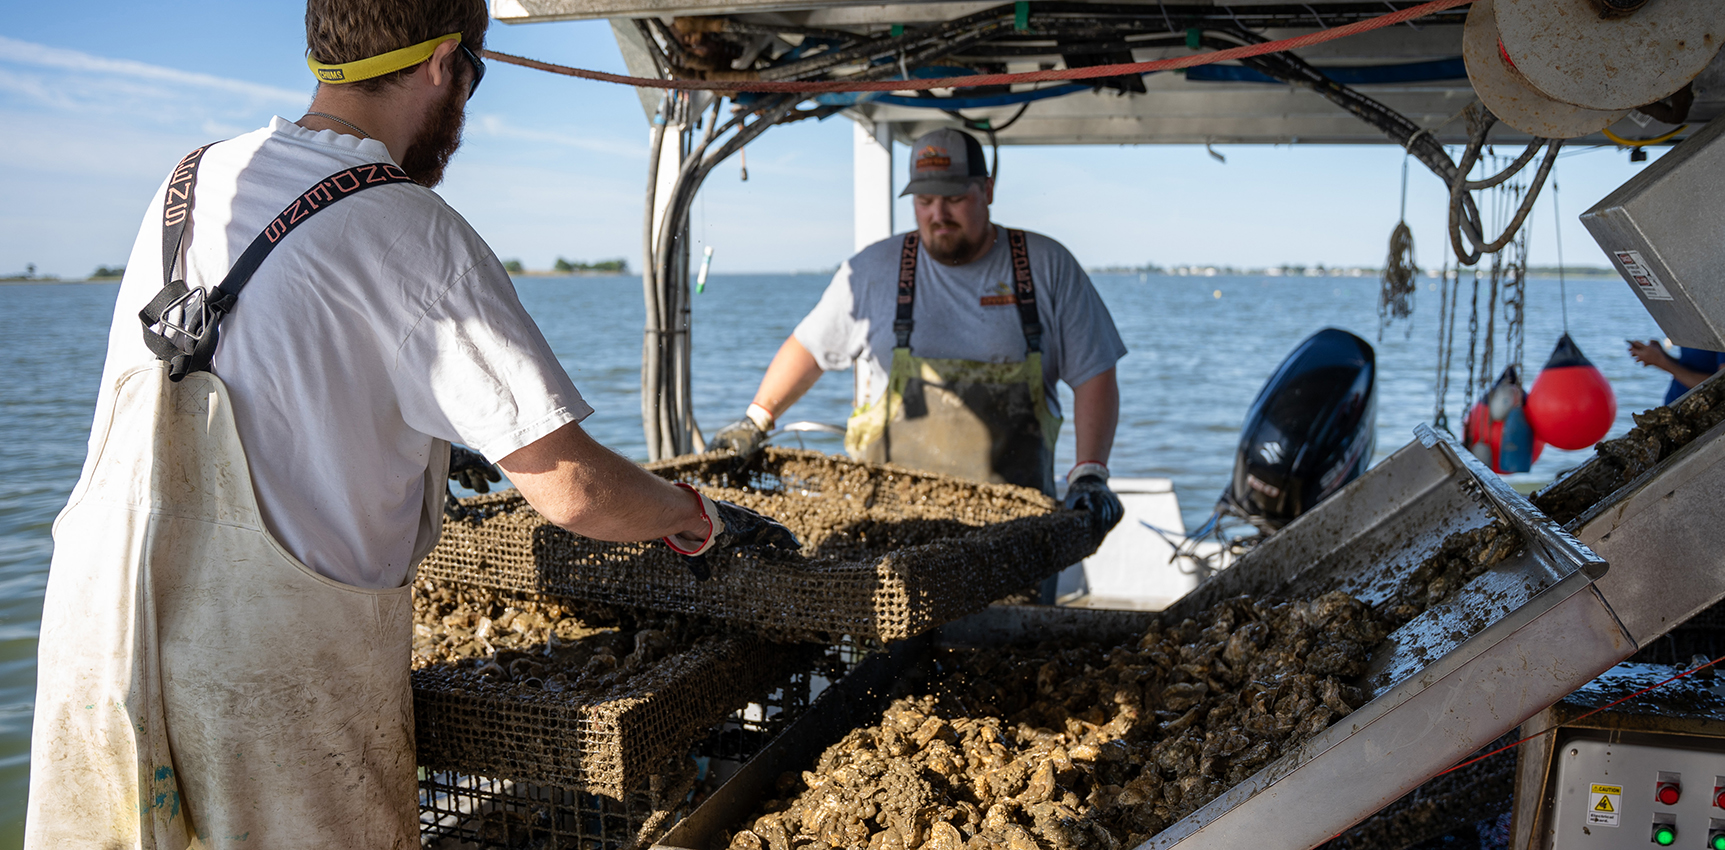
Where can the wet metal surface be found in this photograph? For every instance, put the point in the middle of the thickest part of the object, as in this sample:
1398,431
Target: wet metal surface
1471,665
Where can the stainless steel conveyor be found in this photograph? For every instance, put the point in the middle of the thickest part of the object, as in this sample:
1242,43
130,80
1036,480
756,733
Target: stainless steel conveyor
1509,643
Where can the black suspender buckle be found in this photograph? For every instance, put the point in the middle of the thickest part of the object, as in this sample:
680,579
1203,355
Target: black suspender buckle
184,321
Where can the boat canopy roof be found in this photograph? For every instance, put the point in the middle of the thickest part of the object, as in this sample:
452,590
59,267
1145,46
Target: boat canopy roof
1415,69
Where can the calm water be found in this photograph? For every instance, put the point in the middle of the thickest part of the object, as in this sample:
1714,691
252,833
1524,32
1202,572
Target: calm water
1196,361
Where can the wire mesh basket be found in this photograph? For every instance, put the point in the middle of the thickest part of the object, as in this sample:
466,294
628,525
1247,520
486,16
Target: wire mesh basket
466,811
605,744
887,553
459,811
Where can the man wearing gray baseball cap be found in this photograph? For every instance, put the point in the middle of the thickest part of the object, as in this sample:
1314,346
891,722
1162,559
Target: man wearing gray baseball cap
960,329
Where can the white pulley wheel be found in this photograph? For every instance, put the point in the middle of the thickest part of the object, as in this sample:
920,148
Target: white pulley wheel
1566,50
1509,97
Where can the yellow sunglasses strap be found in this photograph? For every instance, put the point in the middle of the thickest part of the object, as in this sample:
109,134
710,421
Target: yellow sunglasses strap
377,66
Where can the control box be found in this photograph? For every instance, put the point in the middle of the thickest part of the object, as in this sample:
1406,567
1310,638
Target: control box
1659,791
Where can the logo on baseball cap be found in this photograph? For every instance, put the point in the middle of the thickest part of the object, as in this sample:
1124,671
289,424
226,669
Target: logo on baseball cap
945,162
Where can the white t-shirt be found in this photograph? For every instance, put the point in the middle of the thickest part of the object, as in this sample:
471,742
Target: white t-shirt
379,325
962,312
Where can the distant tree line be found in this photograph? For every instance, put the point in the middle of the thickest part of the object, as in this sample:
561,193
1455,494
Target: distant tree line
619,266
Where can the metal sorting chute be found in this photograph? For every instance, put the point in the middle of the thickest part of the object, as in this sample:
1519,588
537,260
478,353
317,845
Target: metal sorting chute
1506,645
1665,531
1661,231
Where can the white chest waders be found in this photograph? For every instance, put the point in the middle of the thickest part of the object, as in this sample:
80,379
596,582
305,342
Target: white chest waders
967,418
198,686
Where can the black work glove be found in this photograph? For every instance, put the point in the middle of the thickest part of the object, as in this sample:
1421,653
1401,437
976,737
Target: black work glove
470,469
743,438
734,527
1089,492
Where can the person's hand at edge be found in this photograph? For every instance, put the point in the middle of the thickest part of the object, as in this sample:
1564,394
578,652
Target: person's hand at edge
1087,490
1651,353
746,436
470,469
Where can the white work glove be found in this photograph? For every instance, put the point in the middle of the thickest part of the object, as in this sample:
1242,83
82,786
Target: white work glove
747,435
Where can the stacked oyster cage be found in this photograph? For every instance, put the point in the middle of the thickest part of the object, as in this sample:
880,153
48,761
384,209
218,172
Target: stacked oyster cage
559,702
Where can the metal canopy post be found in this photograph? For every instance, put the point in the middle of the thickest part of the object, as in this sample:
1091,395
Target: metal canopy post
871,182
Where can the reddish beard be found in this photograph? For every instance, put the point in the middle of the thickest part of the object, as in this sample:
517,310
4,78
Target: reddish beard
429,154
949,244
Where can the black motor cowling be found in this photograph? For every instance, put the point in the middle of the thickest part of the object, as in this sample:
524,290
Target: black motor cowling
1309,432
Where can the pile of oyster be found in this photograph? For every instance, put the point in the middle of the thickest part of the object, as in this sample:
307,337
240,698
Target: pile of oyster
532,644
1063,746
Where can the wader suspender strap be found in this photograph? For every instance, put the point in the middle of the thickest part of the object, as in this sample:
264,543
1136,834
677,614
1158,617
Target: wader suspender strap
903,322
1023,290
181,324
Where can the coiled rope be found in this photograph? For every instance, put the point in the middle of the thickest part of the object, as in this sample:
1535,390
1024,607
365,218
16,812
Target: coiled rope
1094,72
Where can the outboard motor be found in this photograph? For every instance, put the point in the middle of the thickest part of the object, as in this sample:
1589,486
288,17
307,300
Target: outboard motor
1310,431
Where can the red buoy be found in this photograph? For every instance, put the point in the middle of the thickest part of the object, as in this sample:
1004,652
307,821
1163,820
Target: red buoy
1484,429
1570,405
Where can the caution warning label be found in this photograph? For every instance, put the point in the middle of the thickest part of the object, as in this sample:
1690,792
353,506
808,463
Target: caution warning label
1605,805
1639,273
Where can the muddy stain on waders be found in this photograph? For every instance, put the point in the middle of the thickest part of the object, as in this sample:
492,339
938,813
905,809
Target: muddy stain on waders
967,418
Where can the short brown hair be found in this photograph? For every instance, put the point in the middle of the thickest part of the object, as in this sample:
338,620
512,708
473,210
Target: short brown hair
340,31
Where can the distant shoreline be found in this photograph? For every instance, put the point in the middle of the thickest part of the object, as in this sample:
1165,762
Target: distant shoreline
53,281
1199,272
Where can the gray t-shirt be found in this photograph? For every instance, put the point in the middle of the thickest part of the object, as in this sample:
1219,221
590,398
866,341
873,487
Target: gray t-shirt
962,312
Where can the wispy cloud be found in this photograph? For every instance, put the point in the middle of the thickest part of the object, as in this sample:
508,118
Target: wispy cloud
497,127
14,51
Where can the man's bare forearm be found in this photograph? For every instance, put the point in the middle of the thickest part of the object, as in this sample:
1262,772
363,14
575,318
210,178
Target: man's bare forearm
1095,415
589,490
788,377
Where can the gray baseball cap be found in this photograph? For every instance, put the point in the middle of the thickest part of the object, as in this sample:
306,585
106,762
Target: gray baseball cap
945,162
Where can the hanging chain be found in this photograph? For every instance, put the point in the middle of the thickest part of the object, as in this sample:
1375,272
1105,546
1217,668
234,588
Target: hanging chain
1488,352
1515,302
1446,339
1472,340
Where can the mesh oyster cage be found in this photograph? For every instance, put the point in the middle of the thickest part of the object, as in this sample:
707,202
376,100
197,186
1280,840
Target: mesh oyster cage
888,553
473,725
461,811
464,811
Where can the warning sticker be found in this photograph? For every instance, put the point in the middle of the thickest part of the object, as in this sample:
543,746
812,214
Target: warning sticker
1640,274
1605,805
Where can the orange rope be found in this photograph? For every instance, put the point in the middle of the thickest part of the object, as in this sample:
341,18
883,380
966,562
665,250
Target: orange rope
1090,73
1584,716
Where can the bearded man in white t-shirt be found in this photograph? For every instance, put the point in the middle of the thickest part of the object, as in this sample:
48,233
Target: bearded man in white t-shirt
959,331
227,629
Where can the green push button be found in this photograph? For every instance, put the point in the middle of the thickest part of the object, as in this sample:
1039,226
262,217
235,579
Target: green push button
1664,836
1718,842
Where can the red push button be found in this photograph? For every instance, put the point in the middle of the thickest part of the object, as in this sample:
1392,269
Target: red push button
1668,793
1719,797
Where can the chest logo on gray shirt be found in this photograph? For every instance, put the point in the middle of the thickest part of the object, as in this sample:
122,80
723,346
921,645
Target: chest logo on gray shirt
1001,296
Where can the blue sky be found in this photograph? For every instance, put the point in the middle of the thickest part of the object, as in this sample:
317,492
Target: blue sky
99,102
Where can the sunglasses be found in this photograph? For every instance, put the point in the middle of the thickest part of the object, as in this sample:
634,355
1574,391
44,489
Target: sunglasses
478,69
